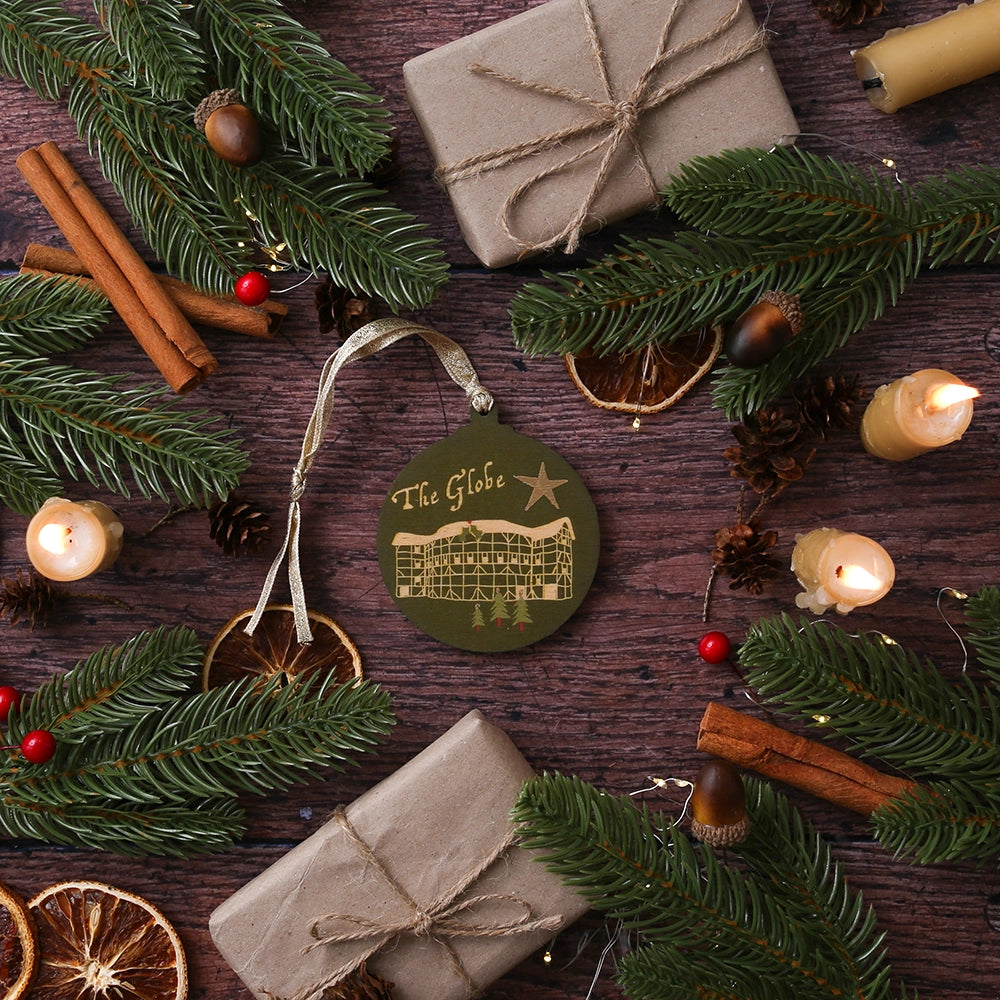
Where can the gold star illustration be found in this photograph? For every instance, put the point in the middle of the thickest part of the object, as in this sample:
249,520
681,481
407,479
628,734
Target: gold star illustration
541,486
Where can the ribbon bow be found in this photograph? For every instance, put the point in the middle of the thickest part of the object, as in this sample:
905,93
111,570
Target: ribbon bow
613,120
439,921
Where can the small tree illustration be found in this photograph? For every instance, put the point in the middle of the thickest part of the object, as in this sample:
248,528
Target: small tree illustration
478,621
522,616
498,611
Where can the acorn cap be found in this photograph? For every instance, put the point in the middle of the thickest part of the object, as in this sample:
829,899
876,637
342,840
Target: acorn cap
217,99
722,836
789,306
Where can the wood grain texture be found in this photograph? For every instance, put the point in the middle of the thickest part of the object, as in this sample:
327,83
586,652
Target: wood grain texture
616,694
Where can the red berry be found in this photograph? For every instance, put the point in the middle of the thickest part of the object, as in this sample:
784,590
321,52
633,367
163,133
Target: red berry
38,746
252,288
715,647
9,698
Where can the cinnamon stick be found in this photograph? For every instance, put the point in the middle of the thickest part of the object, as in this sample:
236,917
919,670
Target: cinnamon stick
180,373
221,312
177,329
802,763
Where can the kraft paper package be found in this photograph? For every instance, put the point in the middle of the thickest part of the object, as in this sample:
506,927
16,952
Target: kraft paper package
525,134
421,873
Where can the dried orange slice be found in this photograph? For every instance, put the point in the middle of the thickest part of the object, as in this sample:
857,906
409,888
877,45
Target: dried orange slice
18,945
274,649
97,942
646,380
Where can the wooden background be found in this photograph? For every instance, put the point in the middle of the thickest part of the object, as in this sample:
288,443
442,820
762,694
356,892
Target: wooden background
617,692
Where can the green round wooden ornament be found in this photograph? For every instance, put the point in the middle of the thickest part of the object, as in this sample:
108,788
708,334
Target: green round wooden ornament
488,540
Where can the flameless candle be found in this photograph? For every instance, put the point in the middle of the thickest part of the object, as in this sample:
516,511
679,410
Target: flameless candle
840,569
68,541
925,410
908,64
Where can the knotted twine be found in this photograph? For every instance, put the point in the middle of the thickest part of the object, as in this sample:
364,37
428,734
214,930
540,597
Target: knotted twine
366,341
616,118
438,920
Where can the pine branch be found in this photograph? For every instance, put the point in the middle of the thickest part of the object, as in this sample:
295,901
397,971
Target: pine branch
33,32
179,192
24,487
892,704
140,770
337,225
849,243
157,40
941,821
284,71
785,927
982,612
94,427
201,827
106,691
904,711
28,303
240,737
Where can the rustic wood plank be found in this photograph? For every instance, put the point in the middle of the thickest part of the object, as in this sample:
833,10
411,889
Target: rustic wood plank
617,692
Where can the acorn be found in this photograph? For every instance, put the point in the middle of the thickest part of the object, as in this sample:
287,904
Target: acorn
760,332
719,805
230,128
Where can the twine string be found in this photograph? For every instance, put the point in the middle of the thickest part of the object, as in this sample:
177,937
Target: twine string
614,120
368,340
438,921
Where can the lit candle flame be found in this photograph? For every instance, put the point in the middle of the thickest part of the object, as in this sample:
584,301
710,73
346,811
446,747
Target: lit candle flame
948,394
857,578
54,538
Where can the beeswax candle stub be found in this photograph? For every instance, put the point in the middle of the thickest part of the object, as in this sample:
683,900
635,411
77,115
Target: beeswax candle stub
841,570
913,415
909,64
68,541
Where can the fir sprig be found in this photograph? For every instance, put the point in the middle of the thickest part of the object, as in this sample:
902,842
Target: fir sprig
904,711
158,41
107,690
142,768
846,240
136,116
283,70
783,924
91,427
29,304
982,611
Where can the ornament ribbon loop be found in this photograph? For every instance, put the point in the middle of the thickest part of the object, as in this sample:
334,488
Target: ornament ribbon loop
438,921
613,120
368,340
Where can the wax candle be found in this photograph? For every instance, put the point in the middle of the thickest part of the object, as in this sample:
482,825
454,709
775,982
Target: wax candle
840,569
68,541
914,414
908,64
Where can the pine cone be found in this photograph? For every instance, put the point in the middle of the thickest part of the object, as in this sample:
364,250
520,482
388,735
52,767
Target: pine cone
360,985
843,12
765,453
828,404
29,597
239,526
341,309
741,553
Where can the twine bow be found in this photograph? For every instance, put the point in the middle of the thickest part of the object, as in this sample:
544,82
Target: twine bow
438,921
614,120
370,339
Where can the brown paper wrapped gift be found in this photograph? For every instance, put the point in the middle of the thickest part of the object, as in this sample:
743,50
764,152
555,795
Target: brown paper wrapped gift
576,112
420,873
